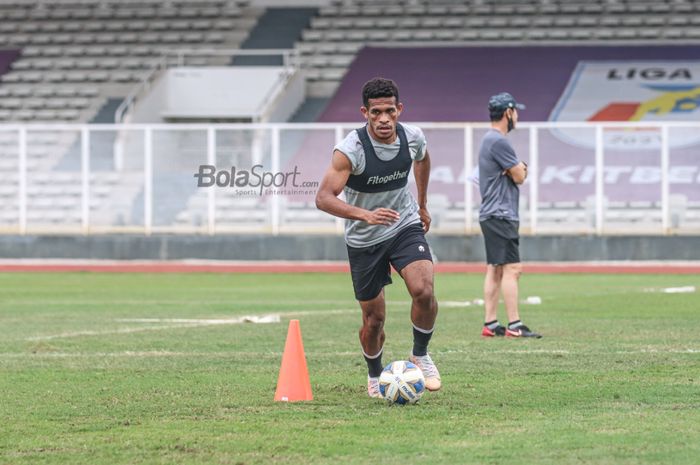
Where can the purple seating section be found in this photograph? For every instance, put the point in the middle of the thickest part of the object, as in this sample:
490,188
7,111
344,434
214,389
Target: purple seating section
453,85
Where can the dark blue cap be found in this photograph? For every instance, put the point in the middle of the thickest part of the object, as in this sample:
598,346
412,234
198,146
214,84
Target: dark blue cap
503,101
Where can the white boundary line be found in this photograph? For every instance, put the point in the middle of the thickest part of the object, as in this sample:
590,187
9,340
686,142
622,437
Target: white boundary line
177,323
102,333
159,353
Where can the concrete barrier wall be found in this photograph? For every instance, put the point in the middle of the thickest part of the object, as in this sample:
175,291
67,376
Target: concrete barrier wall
315,247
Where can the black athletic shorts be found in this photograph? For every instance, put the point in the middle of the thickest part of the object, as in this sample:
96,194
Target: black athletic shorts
369,266
502,241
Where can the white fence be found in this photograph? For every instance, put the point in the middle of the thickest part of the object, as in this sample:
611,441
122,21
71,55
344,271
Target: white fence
608,178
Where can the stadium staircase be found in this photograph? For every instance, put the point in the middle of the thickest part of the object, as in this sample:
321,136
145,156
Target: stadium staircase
277,28
75,55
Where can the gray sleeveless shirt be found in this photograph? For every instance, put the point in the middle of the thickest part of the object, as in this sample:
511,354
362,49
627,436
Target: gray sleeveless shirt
359,233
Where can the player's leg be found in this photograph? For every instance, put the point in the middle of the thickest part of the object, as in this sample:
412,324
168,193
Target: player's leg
372,331
418,277
411,257
494,242
492,289
372,340
512,269
509,285
370,271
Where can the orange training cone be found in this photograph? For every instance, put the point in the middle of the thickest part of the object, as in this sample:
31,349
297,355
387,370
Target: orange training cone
293,383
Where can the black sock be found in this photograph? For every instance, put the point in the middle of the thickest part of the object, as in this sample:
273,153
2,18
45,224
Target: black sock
421,338
374,364
492,324
515,324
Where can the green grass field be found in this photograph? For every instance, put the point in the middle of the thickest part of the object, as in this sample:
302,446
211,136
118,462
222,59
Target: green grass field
615,380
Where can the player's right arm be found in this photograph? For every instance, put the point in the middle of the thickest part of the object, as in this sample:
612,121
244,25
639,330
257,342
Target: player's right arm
505,156
518,173
332,185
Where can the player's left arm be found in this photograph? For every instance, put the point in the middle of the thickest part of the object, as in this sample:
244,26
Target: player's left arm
421,171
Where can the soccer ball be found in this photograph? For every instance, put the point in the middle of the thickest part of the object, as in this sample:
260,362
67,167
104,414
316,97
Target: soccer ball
401,383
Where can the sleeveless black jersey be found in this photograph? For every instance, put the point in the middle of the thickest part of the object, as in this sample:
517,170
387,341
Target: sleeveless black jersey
379,175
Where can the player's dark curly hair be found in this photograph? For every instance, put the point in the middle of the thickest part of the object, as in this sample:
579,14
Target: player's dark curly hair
377,88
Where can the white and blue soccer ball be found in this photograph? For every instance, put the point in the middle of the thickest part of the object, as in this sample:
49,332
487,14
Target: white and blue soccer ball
402,383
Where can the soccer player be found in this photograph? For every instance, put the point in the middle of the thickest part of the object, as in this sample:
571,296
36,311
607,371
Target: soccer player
384,223
500,174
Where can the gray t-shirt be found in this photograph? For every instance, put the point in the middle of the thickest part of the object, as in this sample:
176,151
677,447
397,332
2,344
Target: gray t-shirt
359,233
499,194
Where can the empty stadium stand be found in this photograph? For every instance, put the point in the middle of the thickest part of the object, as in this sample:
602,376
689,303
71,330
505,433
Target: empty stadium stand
74,55
73,61
339,31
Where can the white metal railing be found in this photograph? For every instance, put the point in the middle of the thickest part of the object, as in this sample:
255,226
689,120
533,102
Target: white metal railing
140,89
535,215
178,58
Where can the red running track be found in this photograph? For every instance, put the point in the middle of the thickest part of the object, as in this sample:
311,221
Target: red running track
99,266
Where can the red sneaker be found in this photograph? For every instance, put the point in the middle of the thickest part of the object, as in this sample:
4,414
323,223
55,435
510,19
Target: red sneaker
497,331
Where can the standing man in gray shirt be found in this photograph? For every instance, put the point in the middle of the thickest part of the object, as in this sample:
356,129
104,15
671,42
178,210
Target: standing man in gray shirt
384,224
500,174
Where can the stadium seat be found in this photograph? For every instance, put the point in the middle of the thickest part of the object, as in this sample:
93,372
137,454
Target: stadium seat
123,76
11,103
21,91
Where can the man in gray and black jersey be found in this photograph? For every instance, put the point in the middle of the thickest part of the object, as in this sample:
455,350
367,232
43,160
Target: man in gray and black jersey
384,224
500,175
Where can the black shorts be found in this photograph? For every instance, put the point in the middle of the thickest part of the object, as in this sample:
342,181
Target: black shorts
369,266
502,241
